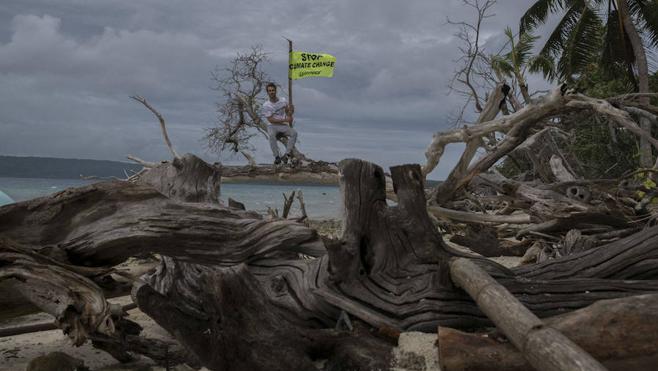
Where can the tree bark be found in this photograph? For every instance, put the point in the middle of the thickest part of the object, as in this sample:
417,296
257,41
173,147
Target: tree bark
240,329
543,347
105,223
490,111
621,333
187,178
646,157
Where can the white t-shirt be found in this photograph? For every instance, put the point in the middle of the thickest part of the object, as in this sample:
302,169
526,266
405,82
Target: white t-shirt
276,110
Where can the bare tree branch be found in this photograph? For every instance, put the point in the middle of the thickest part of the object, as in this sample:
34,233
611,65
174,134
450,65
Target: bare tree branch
157,114
144,163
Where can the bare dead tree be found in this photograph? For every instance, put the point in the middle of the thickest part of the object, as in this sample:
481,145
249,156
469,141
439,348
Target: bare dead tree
474,79
472,75
481,71
238,111
240,86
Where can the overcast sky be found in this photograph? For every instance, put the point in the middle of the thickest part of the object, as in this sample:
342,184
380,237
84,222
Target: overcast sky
68,67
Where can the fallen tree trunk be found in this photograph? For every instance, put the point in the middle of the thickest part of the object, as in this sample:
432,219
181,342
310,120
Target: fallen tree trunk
621,333
105,223
314,172
464,216
490,111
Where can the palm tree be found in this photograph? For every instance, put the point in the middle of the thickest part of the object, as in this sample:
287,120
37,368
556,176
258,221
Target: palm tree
619,26
518,59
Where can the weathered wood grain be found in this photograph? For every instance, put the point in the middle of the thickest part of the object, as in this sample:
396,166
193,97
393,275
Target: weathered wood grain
543,347
621,333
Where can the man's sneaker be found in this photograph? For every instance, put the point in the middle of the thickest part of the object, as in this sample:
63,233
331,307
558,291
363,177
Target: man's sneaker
277,160
284,159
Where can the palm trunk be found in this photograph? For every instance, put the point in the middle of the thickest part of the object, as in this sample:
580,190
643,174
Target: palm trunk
646,158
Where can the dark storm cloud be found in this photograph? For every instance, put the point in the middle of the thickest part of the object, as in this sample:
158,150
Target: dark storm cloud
67,69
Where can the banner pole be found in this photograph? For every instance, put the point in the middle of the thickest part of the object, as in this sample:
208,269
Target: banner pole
289,77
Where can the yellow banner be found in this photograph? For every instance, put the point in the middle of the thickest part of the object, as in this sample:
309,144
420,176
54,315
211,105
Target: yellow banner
304,64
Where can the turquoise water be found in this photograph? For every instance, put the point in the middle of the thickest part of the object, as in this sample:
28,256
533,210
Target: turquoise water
5,199
321,201
21,189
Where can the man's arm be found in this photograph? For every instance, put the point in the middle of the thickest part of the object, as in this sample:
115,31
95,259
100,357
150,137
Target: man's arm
286,120
268,112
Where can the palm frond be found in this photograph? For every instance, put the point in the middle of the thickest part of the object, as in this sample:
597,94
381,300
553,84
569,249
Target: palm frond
543,64
646,13
554,46
538,13
583,43
617,55
525,47
501,65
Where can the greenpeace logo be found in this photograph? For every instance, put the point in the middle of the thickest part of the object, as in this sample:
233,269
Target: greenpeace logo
306,73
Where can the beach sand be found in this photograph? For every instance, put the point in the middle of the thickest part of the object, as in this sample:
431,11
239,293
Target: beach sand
17,351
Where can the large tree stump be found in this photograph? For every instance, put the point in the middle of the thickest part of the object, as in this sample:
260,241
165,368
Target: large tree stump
390,266
239,328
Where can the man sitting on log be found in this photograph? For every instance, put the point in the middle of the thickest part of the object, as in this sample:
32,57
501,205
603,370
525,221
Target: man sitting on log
279,114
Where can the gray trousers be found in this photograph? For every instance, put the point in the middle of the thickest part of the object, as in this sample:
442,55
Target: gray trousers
281,129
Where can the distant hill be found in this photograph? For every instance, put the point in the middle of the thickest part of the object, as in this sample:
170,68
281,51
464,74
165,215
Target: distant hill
61,168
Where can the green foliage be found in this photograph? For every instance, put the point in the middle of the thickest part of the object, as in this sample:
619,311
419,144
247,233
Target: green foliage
617,55
590,32
519,57
510,168
596,149
582,42
647,13
604,149
538,13
596,83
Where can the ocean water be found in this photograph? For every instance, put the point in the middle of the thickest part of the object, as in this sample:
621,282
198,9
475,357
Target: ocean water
322,202
5,199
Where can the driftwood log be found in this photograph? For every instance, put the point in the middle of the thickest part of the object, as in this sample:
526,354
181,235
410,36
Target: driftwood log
187,178
621,333
545,348
229,277
316,172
